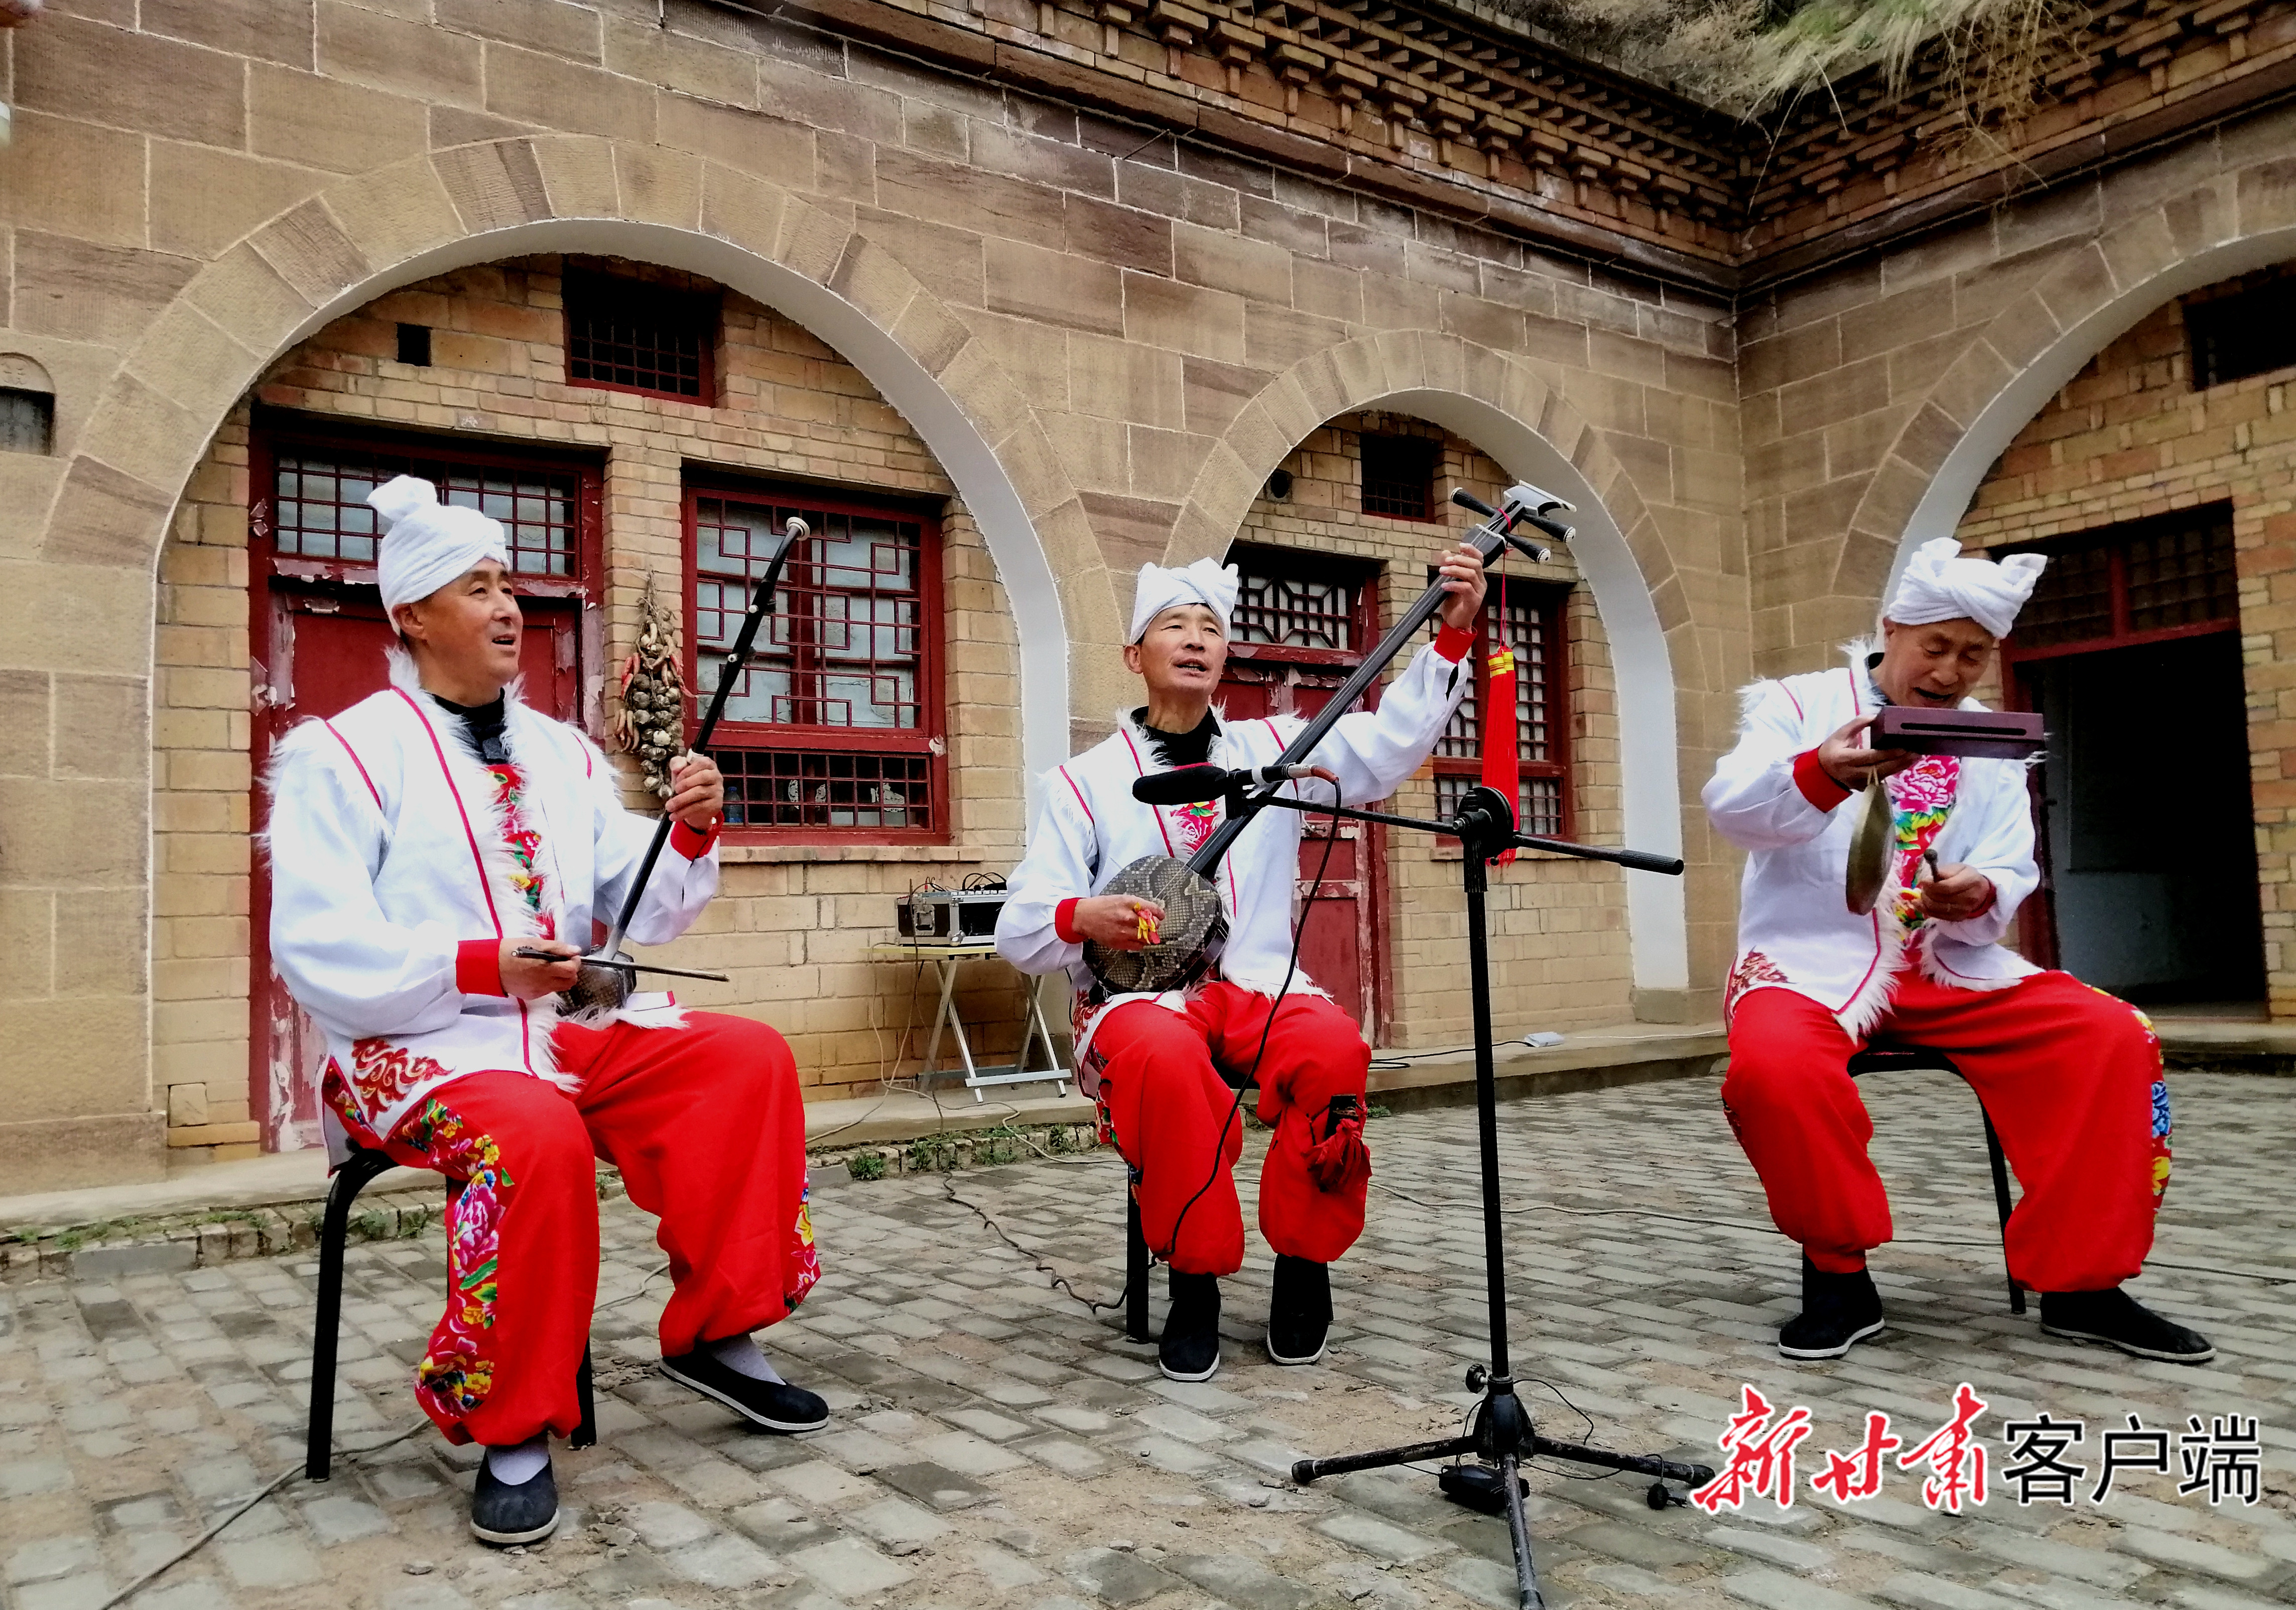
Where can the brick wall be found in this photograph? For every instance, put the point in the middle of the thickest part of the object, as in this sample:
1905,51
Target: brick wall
2130,437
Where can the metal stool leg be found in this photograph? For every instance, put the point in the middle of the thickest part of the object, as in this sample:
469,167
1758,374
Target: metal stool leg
350,1179
585,1430
1135,1269
2001,1201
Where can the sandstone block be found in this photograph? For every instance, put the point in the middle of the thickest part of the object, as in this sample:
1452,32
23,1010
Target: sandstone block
656,186
769,147
676,61
1249,268
551,26
321,123
494,185
366,45
75,178
552,92
1054,287
269,30
132,80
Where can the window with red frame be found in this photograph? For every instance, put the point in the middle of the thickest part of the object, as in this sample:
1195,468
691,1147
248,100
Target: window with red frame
632,335
1528,617
835,730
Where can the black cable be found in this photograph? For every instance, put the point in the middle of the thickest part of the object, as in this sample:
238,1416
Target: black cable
1299,931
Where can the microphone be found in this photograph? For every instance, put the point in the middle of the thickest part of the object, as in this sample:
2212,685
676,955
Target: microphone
1188,785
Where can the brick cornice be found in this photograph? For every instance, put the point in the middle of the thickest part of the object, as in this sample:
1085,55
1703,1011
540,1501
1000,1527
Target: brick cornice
1471,120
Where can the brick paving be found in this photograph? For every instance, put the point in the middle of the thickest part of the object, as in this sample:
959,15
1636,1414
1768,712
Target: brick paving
995,1444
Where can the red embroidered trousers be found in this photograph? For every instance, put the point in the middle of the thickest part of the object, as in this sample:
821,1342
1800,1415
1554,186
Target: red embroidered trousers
2070,1076
1168,1108
705,1124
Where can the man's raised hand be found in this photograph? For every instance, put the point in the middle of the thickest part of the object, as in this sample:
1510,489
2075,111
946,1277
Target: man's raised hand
697,795
1851,764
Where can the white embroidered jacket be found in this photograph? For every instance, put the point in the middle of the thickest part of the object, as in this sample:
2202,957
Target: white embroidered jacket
389,851
1089,827
1795,928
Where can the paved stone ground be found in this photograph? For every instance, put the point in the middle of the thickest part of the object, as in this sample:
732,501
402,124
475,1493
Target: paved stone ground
995,1444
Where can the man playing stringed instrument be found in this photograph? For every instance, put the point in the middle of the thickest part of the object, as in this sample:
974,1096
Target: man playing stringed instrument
433,849
2070,1076
1154,1061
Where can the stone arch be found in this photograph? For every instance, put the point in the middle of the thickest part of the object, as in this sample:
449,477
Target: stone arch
476,203
2234,224
1499,403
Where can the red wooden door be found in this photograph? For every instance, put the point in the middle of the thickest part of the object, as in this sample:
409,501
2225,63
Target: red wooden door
1302,626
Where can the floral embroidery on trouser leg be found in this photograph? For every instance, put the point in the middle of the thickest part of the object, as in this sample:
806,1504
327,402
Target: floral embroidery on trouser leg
457,1370
804,1258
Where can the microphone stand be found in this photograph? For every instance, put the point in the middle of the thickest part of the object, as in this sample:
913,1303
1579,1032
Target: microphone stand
1502,1435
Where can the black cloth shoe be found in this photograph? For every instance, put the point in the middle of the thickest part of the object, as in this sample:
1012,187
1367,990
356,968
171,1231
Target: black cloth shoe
1838,1311
1190,1348
2118,1319
1298,1310
775,1405
507,1516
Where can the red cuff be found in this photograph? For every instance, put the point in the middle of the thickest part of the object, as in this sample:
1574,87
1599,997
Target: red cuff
1453,643
692,843
478,967
1819,789
1992,894
1064,922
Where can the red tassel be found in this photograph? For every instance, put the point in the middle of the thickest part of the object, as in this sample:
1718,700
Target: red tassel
1502,756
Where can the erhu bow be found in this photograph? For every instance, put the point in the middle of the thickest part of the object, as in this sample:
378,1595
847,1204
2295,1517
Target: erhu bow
1194,925
604,982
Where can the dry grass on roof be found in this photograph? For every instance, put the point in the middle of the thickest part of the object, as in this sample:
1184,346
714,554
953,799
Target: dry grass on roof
1755,57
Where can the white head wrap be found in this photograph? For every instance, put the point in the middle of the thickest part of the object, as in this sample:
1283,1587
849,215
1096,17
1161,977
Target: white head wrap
1206,582
427,543
1940,585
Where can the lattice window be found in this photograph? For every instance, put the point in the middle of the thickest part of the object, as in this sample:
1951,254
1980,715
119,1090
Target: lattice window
1297,611
627,335
1399,476
319,510
2166,577
2252,331
1527,617
834,725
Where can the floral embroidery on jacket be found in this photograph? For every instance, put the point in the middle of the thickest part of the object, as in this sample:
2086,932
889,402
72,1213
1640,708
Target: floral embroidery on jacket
523,843
382,1073
1923,796
1195,823
1753,968
458,1371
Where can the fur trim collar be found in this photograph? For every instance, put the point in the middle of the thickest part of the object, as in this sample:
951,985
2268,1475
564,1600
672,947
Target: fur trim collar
1138,732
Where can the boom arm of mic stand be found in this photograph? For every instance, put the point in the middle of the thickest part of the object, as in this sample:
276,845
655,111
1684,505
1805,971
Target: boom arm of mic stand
1639,860
727,674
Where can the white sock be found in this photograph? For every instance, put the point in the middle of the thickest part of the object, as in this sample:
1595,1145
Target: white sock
741,1355
521,1462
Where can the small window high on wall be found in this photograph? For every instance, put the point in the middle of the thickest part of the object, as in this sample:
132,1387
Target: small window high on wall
634,335
1527,617
835,732
1399,476
2242,328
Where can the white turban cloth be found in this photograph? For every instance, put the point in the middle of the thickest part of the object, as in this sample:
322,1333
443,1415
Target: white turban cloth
1940,585
426,544
1206,582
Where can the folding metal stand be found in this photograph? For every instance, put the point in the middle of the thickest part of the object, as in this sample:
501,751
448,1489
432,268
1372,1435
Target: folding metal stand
1502,1435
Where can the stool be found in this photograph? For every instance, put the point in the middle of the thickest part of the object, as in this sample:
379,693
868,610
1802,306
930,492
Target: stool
1882,1056
1136,1257
354,1168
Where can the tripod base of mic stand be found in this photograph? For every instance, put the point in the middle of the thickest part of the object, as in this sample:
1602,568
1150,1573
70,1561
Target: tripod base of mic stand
1501,1439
